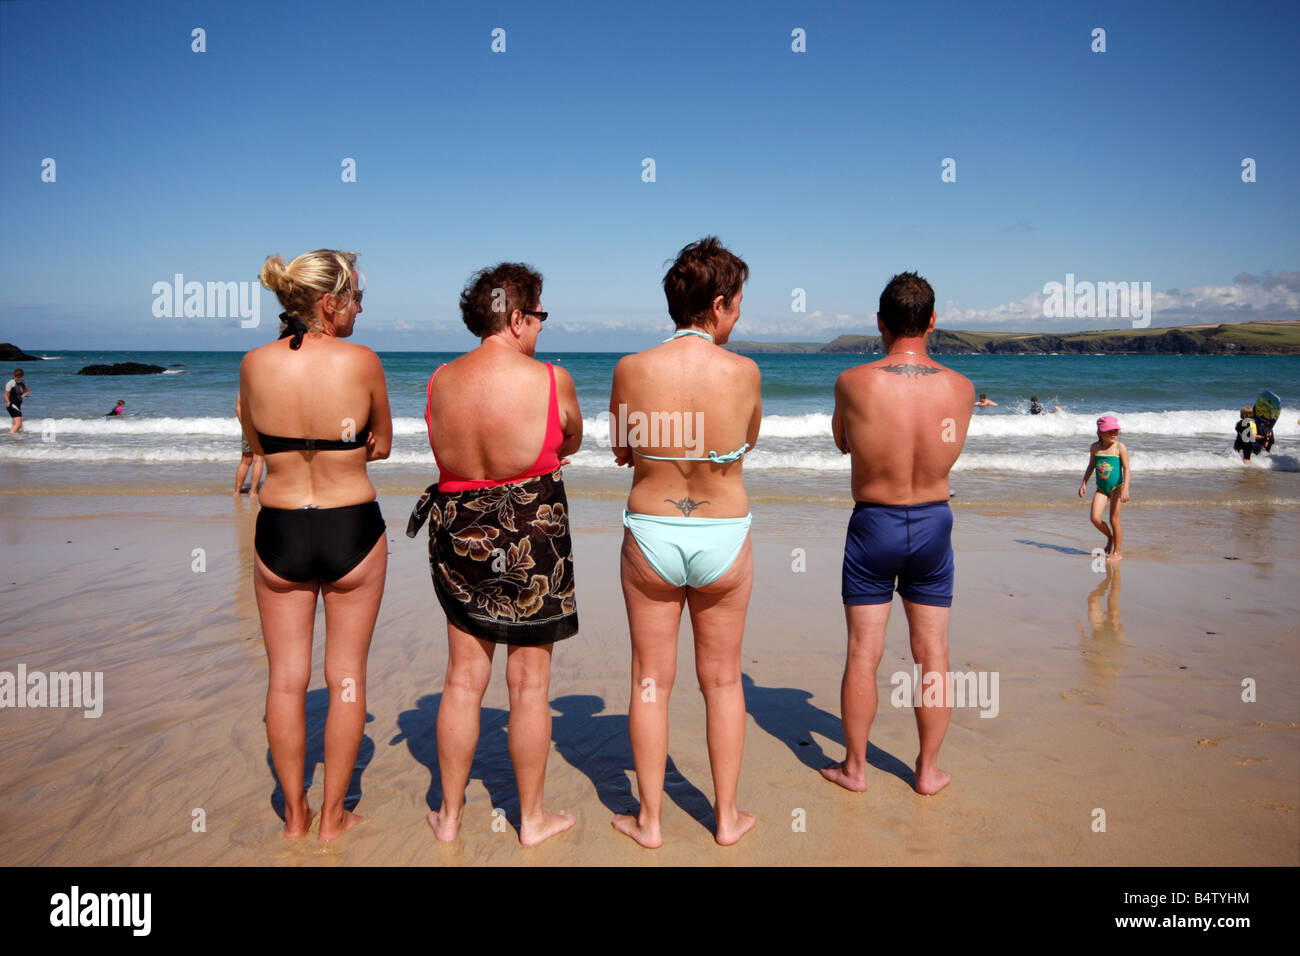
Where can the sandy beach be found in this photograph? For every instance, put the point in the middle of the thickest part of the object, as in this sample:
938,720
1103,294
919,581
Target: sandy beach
1118,692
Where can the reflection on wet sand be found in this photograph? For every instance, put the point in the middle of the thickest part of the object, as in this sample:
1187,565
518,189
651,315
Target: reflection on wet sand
1104,647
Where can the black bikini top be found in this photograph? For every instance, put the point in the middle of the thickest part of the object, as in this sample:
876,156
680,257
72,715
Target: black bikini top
274,444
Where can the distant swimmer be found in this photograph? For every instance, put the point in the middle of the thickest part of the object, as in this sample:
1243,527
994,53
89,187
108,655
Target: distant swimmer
1057,409
1109,458
904,420
985,402
1034,407
118,411
16,390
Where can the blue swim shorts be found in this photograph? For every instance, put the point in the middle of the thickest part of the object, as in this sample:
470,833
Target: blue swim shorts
910,543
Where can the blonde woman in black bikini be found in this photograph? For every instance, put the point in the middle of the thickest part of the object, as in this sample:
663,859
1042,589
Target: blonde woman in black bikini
317,408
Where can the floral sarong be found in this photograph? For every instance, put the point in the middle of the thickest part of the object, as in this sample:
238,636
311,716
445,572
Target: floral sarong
501,559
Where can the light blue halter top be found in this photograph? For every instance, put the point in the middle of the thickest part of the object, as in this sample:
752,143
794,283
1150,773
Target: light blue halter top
713,455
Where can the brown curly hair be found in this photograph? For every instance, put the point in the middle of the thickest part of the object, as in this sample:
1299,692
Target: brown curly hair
481,304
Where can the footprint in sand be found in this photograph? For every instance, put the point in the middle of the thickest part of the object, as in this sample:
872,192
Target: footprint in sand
1207,742
1247,761
1106,724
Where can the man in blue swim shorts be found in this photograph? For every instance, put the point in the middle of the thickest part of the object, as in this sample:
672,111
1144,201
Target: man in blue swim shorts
903,419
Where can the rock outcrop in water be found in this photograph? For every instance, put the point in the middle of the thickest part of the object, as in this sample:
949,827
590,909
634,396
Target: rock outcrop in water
122,368
12,353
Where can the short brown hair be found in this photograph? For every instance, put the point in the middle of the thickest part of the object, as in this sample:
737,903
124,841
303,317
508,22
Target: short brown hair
480,302
906,305
702,271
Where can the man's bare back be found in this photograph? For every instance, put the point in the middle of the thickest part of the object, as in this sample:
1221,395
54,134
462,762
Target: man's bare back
904,421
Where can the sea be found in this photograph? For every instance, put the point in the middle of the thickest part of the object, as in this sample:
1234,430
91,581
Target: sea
1177,415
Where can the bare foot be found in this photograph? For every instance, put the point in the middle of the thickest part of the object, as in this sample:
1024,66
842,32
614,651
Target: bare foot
729,833
334,830
931,781
535,832
1116,557
648,836
446,826
1110,543
298,820
836,773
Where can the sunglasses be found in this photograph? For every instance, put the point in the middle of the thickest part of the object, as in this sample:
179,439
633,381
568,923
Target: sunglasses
541,316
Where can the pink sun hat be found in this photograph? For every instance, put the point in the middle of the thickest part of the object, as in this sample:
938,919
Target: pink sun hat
1108,423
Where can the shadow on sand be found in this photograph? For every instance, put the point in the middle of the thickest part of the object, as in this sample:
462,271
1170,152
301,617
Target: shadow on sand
318,702
786,714
602,749
1053,547
417,728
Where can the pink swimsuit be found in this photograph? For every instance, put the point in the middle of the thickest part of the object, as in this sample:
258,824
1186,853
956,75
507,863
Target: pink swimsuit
547,461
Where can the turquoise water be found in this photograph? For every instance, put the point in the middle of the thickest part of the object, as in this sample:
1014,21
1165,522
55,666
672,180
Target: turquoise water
1177,414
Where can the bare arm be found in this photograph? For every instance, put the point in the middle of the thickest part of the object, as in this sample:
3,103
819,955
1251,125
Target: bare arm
622,454
246,420
756,419
1123,460
570,414
837,419
380,444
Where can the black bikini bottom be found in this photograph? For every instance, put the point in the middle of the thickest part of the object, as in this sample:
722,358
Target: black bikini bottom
316,544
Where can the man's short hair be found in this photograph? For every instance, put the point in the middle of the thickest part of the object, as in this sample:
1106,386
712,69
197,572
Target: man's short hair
702,271
906,305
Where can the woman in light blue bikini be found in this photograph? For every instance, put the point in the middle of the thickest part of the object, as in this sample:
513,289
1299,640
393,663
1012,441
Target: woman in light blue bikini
687,521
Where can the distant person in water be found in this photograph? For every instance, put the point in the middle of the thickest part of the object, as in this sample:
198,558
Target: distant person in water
15,391
247,458
985,402
904,420
118,411
1034,407
1109,458
1248,435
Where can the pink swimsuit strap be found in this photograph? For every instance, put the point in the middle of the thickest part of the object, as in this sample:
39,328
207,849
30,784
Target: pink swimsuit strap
547,460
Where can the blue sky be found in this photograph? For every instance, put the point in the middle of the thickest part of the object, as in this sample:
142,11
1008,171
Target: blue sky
822,168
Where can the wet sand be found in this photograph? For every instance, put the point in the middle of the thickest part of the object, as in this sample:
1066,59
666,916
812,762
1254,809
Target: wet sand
1120,692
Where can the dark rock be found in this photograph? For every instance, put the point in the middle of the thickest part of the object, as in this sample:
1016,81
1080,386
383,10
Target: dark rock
122,368
12,353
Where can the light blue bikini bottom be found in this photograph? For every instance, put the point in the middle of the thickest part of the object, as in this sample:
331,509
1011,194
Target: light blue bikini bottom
689,552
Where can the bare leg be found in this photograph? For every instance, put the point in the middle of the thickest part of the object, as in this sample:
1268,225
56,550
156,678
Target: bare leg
929,630
654,614
241,471
718,619
858,699
528,675
351,606
469,667
1098,506
1115,505
258,464
288,611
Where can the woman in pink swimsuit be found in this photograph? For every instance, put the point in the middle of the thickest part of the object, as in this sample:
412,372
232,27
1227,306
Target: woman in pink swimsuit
499,548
